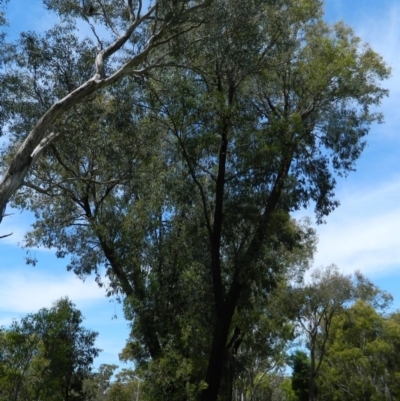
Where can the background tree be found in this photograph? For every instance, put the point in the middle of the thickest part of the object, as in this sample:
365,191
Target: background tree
318,302
300,363
316,305
96,385
361,360
259,364
48,355
19,362
68,346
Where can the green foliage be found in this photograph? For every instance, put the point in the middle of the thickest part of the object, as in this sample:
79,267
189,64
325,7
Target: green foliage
300,363
178,185
260,358
96,385
315,305
104,385
368,292
20,360
287,390
361,361
47,355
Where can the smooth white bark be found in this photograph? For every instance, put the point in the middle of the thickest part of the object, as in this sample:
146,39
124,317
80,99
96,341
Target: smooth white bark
39,138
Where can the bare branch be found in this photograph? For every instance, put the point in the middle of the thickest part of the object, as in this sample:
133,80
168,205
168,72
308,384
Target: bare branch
6,235
59,159
107,19
130,10
139,9
94,32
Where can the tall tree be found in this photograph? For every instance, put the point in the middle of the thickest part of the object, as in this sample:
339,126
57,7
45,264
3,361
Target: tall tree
184,195
261,146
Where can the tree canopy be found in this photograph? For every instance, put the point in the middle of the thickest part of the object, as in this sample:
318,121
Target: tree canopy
130,32
175,182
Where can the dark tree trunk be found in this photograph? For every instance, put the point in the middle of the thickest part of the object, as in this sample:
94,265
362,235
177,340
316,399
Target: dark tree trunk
311,383
217,359
220,346
227,385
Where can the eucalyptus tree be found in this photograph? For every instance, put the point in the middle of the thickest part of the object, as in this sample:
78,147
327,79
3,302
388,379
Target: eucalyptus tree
18,352
267,115
259,362
68,347
361,360
98,384
317,305
300,383
126,34
180,183
47,355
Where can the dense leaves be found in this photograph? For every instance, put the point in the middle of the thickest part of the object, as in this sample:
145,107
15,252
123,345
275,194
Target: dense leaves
47,355
175,186
300,363
362,358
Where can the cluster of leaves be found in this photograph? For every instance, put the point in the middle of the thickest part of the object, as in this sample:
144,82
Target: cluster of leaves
361,361
349,345
46,355
105,385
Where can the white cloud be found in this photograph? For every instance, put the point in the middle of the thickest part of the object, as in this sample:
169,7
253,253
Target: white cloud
24,292
364,232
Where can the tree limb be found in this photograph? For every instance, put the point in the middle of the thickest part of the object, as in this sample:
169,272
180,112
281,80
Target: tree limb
33,145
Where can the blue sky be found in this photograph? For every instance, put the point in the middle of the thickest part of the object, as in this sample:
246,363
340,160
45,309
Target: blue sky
363,233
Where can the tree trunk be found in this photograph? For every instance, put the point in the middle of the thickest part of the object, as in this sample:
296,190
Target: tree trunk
217,358
311,383
219,347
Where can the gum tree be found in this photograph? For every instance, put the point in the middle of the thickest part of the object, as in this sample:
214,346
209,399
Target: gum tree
181,183
318,304
360,362
47,355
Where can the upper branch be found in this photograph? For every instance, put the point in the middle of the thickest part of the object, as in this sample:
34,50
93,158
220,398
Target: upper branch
34,145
